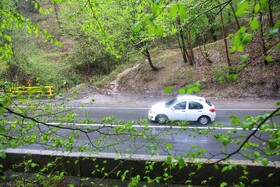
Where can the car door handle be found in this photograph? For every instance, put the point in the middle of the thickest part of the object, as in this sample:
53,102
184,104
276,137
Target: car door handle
183,111
200,111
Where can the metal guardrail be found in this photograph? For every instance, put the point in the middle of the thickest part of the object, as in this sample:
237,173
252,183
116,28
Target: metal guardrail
46,90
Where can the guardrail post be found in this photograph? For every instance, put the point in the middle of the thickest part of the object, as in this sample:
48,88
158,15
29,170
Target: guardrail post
50,90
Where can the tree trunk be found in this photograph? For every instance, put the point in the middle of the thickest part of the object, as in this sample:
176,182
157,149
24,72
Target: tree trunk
262,39
235,17
181,48
211,20
108,63
148,56
225,39
191,56
270,14
182,43
57,18
204,52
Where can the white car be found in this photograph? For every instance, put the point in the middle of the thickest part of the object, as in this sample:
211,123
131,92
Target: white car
183,107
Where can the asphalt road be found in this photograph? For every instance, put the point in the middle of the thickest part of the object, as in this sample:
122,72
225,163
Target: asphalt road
182,140
136,114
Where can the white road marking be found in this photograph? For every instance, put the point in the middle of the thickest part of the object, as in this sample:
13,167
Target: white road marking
217,109
160,126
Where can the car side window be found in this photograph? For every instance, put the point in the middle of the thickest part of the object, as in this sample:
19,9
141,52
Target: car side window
195,105
180,106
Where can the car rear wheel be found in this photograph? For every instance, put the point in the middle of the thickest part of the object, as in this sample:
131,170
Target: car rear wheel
161,119
204,120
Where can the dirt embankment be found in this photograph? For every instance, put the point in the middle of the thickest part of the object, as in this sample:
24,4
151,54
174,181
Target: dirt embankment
255,80
140,85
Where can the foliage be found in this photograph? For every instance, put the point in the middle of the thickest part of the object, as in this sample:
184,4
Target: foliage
243,37
29,120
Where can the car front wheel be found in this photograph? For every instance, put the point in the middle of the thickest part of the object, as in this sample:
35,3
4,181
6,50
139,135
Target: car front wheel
161,118
204,120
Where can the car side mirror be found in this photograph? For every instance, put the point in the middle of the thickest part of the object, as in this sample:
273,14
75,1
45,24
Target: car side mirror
172,108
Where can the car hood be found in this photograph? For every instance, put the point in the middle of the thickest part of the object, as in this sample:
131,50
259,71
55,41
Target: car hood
158,107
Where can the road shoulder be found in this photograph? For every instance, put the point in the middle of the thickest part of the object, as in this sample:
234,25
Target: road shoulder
146,101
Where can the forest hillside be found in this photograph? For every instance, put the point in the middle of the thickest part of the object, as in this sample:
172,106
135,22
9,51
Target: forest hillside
256,80
225,50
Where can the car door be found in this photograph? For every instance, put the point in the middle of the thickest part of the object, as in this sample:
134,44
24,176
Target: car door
194,111
178,111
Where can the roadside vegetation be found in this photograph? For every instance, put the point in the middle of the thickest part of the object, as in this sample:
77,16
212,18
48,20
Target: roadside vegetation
217,48
79,48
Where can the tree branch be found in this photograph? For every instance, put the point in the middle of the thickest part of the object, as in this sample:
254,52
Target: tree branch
248,137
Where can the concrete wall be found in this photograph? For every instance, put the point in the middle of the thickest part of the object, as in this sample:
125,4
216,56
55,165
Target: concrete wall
77,165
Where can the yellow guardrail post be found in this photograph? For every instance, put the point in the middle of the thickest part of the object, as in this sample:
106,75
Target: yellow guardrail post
50,90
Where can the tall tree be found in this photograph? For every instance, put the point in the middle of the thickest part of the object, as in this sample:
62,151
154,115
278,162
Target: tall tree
225,38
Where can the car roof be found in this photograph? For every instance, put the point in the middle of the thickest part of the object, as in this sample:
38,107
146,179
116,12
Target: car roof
189,97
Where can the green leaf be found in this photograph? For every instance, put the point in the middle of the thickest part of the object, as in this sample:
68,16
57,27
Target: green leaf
169,160
232,77
168,89
151,18
272,144
173,11
146,21
243,5
277,24
225,168
182,11
273,32
257,8
233,49
234,119
254,24
243,58
240,48
264,5
181,162
223,184
169,147
2,129
257,154
173,30
151,30
255,181
225,139
8,37
159,31
31,91
155,8
265,161
242,30
136,27
237,41
268,58
181,91
246,38
196,89
2,155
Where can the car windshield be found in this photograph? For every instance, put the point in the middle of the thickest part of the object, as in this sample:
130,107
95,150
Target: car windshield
171,102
